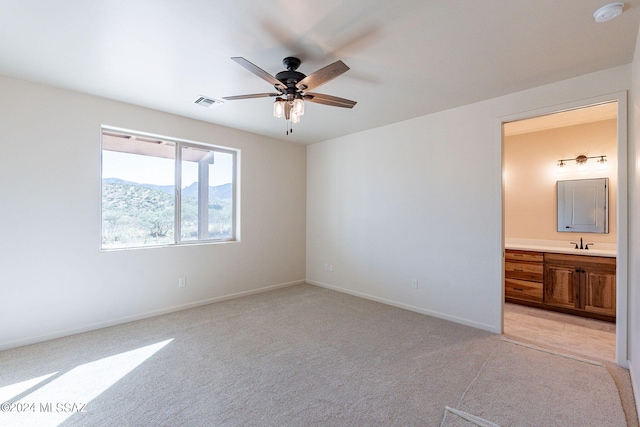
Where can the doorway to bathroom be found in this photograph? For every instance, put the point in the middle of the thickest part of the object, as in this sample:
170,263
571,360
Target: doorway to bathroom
547,301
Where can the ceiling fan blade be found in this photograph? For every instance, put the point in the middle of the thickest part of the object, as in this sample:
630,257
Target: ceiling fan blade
333,101
253,95
260,72
322,76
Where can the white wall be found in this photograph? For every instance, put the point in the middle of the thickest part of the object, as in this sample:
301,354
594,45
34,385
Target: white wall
421,200
55,281
634,245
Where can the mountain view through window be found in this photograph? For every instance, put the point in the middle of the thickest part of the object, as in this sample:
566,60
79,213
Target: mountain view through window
139,199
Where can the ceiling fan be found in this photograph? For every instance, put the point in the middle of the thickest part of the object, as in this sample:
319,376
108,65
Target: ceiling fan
292,88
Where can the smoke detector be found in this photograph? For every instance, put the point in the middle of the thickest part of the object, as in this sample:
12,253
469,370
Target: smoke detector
609,12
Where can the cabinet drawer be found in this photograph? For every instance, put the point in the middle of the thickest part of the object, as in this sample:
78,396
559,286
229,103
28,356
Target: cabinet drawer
511,255
523,289
523,271
581,261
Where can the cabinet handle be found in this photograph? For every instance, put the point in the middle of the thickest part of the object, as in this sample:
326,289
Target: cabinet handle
518,269
518,289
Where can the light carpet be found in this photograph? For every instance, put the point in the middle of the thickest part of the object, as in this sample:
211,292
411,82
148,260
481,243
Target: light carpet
301,356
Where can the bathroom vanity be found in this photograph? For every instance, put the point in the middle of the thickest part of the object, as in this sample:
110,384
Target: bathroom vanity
575,276
574,283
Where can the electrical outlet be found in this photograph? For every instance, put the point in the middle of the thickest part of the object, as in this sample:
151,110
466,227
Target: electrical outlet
326,267
331,268
414,283
182,282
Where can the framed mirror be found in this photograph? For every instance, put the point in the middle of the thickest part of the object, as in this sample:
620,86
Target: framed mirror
583,205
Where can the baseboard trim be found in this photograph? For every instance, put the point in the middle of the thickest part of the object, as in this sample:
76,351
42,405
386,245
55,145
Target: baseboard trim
634,385
140,316
409,307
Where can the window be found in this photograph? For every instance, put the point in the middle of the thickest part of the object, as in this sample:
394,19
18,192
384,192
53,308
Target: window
140,204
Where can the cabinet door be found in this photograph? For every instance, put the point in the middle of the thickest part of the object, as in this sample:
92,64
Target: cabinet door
561,286
600,291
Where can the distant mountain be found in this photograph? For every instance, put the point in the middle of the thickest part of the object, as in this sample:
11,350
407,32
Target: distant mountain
218,192
136,214
164,188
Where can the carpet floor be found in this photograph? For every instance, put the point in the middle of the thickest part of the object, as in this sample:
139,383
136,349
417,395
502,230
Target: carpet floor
298,356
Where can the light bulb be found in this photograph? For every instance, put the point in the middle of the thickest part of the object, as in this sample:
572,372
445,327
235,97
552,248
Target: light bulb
602,163
562,167
278,108
298,106
581,161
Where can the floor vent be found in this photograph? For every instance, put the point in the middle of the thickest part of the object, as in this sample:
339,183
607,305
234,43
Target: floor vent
207,102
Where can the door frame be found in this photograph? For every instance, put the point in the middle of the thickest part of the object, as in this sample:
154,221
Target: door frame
622,237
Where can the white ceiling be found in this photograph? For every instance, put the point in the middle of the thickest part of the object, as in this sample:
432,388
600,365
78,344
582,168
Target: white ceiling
408,58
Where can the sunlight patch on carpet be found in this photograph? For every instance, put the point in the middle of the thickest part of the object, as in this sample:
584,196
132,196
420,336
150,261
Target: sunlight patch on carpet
9,392
54,402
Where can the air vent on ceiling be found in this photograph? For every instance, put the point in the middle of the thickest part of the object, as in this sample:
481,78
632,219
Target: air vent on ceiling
207,102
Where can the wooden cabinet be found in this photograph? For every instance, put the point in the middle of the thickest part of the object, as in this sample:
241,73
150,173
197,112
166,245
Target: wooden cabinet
581,282
576,284
523,273
600,292
561,285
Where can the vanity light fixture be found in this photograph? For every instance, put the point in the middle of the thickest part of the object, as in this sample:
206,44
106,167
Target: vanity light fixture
581,161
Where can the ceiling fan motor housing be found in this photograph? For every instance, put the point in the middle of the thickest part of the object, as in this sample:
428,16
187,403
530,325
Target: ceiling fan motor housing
290,77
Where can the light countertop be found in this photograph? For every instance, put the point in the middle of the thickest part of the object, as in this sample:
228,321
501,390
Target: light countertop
561,247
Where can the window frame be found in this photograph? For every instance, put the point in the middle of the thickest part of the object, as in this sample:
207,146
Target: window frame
179,144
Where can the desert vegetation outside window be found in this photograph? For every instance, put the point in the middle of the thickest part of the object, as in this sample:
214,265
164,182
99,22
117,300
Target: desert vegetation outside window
158,191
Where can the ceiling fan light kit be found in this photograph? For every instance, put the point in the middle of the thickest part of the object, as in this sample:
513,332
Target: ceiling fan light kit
293,86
